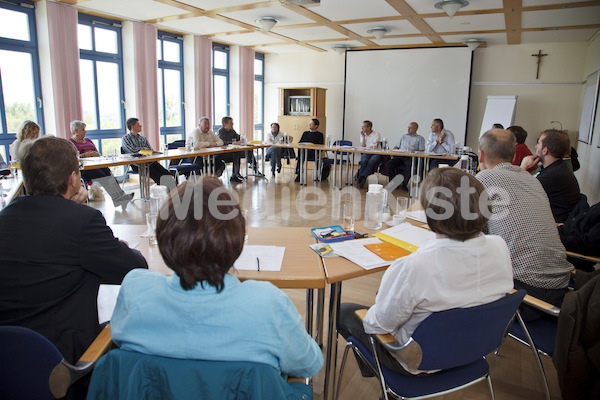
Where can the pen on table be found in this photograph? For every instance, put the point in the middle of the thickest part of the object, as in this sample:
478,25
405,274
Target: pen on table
257,264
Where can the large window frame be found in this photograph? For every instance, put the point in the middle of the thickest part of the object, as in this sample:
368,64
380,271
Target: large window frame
259,81
97,135
30,47
218,72
170,133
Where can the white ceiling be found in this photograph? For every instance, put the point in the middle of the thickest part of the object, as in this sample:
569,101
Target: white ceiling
412,23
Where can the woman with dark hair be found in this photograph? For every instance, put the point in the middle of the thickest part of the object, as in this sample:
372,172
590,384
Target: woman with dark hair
521,150
462,267
203,312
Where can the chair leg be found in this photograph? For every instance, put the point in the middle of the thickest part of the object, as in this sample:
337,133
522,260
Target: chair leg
342,365
379,371
489,382
535,354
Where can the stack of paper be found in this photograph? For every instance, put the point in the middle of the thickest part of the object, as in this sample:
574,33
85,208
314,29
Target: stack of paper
418,215
407,236
355,251
260,258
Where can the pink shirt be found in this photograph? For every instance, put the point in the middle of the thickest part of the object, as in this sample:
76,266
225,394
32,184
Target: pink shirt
84,147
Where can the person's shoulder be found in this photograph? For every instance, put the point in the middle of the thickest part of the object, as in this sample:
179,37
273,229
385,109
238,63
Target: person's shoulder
142,275
263,291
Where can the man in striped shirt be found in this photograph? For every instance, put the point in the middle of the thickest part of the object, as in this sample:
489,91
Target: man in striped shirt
521,215
133,142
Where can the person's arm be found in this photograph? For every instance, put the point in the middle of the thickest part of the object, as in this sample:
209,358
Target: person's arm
362,139
104,255
431,142
529,162
198,142
215,139
300,354
447,142
399,144
421,143
128,144
585,243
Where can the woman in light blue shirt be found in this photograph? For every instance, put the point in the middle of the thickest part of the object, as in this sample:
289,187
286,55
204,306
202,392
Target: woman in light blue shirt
203,312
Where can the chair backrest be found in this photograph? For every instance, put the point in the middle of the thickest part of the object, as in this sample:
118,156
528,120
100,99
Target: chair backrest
26,361
124,374
176,144
343,143
462,335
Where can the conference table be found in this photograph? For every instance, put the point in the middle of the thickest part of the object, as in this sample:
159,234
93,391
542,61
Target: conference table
143,161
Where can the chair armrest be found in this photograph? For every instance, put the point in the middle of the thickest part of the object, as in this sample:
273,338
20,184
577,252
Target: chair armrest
384,338
98,347
541,305
584,257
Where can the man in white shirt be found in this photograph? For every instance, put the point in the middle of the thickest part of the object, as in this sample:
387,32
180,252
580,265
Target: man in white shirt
368,162
409,142
440,141
204,136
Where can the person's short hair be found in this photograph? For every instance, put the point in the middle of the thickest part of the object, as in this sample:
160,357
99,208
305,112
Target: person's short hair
202,119
497,126
415,124
275,123
225,120
434,201
131,122
369,123
519,132
75,125
47,164
498,145
439,122
316,121
26,130
557,142
200,250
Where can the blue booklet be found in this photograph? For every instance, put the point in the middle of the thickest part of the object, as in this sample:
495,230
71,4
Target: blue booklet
330,234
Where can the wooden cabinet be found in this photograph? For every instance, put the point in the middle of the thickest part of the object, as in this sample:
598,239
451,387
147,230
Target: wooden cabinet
298,106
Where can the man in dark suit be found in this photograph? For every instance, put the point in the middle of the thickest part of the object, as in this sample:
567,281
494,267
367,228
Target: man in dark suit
55,252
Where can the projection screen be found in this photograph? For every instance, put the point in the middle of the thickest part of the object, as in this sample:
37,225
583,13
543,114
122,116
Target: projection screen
394,87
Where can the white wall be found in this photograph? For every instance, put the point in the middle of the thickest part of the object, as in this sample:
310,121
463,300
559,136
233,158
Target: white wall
325,70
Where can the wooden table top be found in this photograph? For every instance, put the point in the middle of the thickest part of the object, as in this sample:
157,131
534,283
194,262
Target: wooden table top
301,268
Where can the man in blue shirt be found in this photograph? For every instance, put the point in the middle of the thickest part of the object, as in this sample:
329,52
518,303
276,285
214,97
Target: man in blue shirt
409,142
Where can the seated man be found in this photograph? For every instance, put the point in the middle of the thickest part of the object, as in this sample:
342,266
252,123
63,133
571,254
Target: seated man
556,177
521,150
229,136
312,135
368,162
133,142
205,137
475,269
440,141
56,251
408,142
522,216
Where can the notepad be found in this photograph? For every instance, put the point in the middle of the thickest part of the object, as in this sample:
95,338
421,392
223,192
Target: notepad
356,252
269,258
406,236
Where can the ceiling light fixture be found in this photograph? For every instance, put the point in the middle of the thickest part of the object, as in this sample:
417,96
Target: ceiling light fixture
378,31
472,44
267,22
340,48
450,7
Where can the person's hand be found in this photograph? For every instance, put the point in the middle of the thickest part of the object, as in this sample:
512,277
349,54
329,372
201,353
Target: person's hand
441,137
123,241
529,162
212,144
92,154
81,196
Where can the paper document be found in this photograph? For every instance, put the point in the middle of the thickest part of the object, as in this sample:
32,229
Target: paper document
263,258
355,251
418,215
107,299
407,236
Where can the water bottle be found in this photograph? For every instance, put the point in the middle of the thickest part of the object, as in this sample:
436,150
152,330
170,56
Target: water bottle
465,163
376,200
158,194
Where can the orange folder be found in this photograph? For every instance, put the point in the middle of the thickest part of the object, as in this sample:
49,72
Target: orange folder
387,251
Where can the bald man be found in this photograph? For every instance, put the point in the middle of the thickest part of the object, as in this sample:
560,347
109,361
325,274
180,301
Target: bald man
409,142
521,215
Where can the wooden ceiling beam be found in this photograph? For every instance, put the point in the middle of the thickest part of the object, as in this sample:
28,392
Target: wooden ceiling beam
512,20
415,19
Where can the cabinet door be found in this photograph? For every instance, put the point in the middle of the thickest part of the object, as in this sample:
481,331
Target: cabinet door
294,125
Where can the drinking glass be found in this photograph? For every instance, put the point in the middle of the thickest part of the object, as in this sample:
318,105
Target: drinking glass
349,217
14,168
151,224
245,215
401,207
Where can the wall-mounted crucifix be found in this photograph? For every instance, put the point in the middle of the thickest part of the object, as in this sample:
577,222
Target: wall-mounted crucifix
539,56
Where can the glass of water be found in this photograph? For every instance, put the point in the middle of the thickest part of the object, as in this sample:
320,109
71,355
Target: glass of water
151,224
400,213
349,217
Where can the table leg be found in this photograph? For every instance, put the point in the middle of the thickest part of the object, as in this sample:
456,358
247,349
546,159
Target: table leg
320,312
144,171
310,295
335,292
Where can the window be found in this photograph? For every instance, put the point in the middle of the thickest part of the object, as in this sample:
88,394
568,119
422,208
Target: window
259,96
220,84
20,89
101,72
169,51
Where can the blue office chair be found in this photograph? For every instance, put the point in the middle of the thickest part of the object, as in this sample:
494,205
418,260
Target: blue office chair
454,341
33,368
539,334
186,166
122,374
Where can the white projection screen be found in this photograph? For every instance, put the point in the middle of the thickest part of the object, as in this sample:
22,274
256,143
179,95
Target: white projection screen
394,87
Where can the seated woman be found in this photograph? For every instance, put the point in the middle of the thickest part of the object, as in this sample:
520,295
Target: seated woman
521,151
103,176
202,312
29,130
461,268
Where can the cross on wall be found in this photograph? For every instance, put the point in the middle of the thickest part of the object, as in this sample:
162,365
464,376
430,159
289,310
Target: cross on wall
539,56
